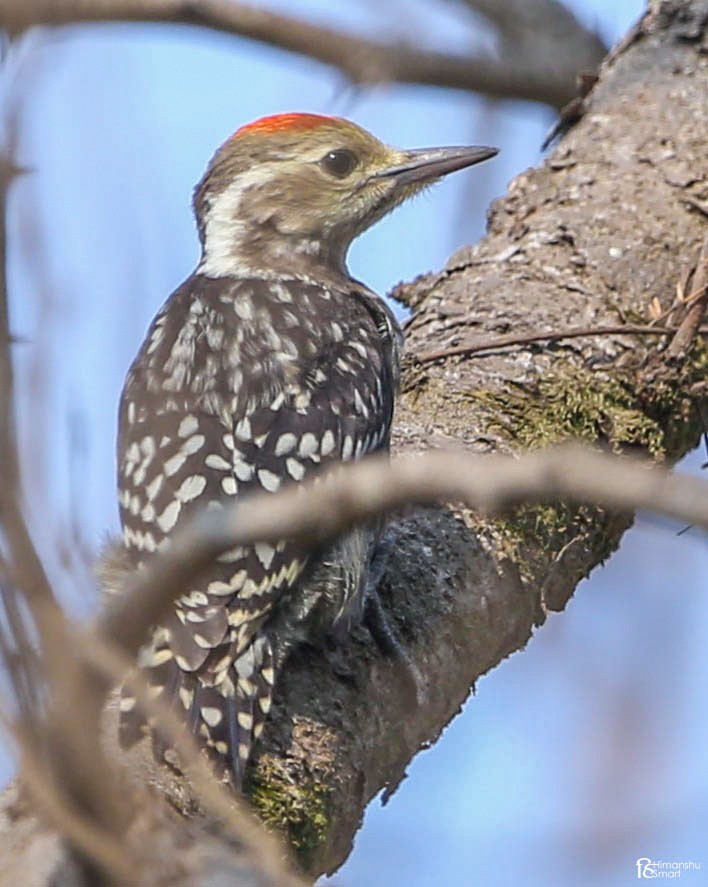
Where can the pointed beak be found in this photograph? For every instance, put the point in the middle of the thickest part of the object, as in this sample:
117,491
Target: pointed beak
424,164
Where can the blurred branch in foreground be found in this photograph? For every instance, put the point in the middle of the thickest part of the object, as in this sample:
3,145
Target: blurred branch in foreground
542,46
78,684
60,679
315,514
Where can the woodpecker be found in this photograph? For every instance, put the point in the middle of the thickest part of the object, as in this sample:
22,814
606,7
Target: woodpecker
267,365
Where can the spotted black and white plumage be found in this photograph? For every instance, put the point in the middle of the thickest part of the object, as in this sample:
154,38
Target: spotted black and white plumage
267,365
247,384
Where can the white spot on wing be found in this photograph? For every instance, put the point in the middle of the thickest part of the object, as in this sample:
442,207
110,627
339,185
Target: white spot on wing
229,485
296,469
153,488
285,443
268,676
269,481
174,463
211,715
159,657
308,445
220,589
243,429
359,404
245,720
191,487
238,579
214,460
192,444
327,443
194,599
188,426
231,556
186,696
243,471
168,518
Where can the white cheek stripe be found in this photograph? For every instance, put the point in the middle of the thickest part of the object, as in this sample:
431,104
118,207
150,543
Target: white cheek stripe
223,228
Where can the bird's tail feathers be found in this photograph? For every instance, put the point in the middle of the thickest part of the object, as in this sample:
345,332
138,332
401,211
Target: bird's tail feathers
225,716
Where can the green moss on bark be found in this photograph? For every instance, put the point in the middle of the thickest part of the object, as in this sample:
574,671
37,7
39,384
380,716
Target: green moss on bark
619,410
575,403
298,810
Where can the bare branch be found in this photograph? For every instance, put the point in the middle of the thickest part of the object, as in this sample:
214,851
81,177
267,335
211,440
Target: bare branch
492,343
313,514
525,23
65,751
8,454
361,60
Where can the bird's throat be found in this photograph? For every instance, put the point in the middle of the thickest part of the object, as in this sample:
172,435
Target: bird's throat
231,249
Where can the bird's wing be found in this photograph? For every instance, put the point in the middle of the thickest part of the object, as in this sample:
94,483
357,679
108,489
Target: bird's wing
181,450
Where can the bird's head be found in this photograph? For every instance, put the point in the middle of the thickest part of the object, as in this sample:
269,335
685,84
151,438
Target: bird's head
293,190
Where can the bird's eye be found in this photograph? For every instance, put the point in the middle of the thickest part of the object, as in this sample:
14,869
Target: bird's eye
339,163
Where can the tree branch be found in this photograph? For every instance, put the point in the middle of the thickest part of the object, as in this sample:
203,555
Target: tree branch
525,26
361,60
495,343
315,514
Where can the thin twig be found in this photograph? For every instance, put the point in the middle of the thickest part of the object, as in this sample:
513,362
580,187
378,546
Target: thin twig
688,330
8,451
20,658
684,302
524,25
492,343
18,654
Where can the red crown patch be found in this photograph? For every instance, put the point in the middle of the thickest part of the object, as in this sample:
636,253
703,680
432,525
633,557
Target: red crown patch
282,123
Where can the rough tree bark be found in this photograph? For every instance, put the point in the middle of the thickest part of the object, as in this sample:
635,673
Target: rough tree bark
608,223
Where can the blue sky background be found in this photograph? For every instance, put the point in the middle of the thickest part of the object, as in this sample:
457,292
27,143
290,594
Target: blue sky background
576,756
